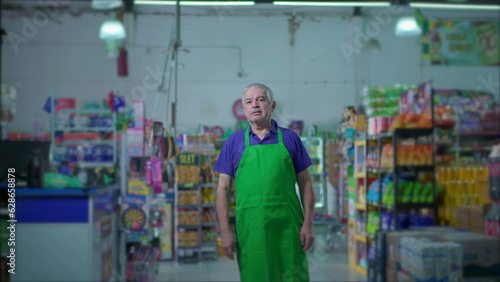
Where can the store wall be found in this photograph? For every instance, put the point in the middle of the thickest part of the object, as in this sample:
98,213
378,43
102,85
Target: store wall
312,80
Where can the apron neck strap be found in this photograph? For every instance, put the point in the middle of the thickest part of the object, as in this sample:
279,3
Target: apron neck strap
247,137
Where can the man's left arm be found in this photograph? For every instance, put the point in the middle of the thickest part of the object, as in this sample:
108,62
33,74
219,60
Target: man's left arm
308,201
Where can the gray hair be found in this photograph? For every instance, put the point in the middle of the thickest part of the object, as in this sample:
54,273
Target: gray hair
268,91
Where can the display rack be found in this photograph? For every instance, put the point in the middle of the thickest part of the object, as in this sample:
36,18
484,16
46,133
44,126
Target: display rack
362,238
195,220
413,169
91,152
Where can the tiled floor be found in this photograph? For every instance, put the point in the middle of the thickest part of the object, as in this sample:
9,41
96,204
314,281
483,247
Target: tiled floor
323,266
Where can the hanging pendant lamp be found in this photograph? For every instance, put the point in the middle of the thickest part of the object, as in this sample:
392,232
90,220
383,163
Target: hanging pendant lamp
407,26
112,29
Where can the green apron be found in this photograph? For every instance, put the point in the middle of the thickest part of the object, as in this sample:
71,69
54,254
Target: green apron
268,215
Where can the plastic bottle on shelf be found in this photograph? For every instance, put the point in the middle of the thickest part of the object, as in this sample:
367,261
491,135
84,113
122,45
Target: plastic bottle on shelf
492,220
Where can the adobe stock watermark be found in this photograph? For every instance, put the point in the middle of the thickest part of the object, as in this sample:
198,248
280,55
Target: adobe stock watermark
221,10
311,264
150,82
379,20
31,26
488,84
284,118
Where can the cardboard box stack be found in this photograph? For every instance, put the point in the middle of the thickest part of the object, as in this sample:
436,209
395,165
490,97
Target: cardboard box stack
333,162
471,218
440,254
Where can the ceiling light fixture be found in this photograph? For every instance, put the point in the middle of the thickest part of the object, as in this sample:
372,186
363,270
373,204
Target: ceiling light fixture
106,4
196,3
407,26
335,4
112,30
454,6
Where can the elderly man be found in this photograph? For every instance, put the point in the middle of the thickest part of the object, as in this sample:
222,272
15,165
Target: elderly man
272,230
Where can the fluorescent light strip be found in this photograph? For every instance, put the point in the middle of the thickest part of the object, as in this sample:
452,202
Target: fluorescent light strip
196,3
454,6
334,4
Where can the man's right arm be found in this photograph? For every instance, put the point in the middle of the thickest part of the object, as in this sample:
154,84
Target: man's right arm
228,241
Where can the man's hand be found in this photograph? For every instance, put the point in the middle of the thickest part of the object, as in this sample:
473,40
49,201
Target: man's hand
228,244
306,236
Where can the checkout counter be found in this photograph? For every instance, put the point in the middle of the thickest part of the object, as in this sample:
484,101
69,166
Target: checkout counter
66,234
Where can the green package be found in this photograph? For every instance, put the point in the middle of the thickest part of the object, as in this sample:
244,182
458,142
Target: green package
417,189
426,192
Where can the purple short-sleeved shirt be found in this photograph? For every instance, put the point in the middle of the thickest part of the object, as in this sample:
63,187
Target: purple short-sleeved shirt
233,148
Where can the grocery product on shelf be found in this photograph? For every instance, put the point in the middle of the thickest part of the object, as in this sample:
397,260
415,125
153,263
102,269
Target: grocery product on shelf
494,173
382,104
382,101
475,111
195,222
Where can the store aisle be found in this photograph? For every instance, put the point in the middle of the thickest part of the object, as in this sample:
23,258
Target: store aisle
322,266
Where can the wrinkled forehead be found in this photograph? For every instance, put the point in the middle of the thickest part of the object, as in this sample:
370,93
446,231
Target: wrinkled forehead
256,92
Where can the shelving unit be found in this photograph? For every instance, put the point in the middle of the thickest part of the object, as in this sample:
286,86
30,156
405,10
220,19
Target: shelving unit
375,268
203,249
363,176
195,225
84,152
400,169
315,149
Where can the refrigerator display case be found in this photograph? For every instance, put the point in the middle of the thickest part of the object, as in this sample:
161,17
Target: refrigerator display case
315,149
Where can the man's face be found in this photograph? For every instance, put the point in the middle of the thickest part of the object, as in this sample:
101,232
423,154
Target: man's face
257,106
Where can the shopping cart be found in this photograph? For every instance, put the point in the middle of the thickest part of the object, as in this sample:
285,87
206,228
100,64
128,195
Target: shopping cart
329,232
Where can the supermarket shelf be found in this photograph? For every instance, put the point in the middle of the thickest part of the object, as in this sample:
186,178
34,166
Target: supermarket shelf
208,224
187,185
413,132
196,185
188,226
414,168
377,204
480,133
207,205
209,244
360,206
79,142
415,205
361,270
381,135
472,149
4,211
381,170
85,111
361,238
189,247
315,173
188,206
110,129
